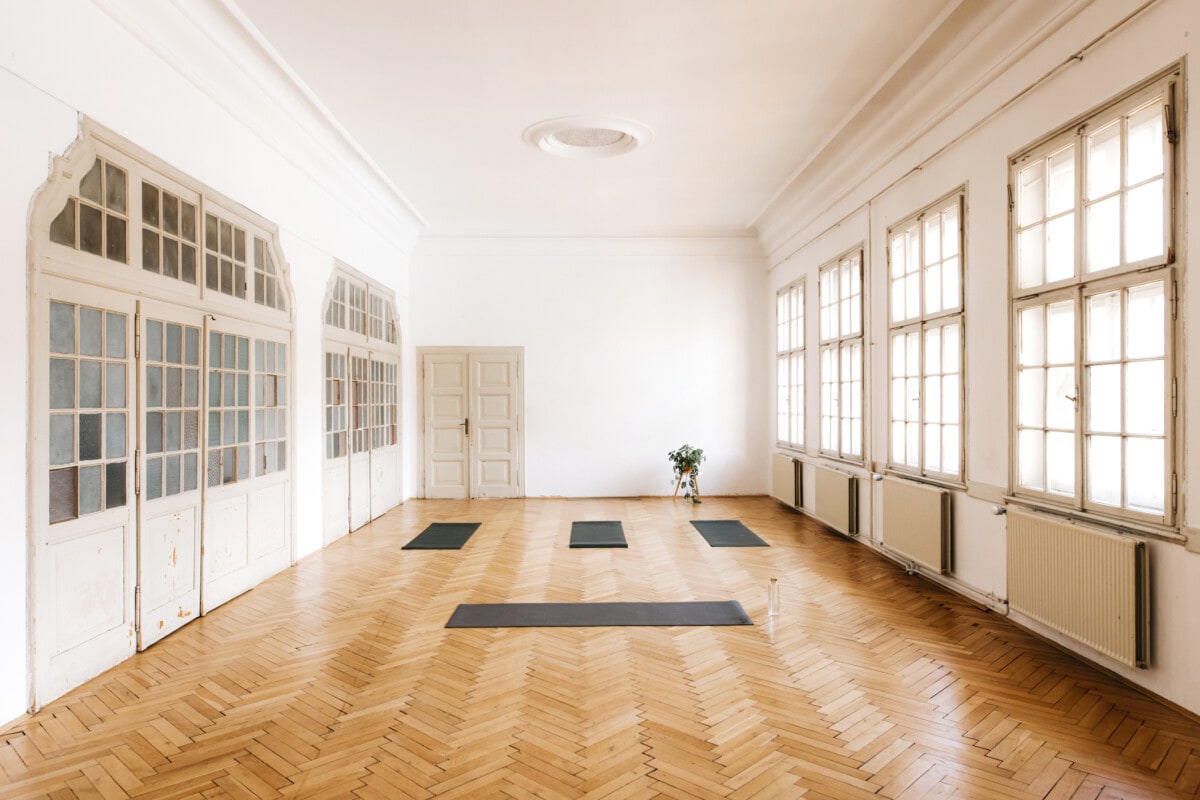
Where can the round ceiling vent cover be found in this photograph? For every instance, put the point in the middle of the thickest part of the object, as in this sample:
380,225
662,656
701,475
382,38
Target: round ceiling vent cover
587,137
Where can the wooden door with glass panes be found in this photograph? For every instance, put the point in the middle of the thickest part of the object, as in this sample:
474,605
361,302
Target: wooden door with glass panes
83,480
270,504
359,420
336,470
169,366
385,435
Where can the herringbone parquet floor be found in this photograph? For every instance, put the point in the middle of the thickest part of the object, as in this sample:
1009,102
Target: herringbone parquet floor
337,679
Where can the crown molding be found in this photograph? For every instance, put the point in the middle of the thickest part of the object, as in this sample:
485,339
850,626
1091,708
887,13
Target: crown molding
212,45
741,247
923,106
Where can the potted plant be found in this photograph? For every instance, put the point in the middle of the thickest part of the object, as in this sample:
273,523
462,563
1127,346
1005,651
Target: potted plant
685,462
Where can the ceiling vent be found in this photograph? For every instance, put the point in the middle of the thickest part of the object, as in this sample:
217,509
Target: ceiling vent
587,137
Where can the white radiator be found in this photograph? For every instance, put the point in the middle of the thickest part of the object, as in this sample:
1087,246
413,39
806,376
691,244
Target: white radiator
916,523
1086,583
785,483
836,501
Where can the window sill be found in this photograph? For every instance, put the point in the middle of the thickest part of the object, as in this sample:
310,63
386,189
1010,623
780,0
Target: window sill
1118,525
942,483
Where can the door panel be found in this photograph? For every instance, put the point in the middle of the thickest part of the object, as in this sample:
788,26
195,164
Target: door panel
446,452
82,483
228,562
472,402
170,409
360,440
336,472
494,403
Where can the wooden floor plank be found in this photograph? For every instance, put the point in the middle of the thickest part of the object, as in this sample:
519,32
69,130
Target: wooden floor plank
337,678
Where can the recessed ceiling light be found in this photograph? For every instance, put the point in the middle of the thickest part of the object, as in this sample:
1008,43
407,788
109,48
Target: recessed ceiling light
587,137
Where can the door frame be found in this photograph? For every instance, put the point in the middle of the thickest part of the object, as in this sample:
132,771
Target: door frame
467,352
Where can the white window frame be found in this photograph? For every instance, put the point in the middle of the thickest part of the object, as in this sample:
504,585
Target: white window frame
913,268
842,364
789,365
1075,289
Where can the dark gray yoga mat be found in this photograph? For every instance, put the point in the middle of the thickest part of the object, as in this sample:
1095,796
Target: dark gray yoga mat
597,534
727,533
443,536
590,615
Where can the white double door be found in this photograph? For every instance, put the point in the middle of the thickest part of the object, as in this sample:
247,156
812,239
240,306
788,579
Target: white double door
143,535
472,407
362,458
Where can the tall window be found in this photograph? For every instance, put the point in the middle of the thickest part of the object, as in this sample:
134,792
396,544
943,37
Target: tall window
1094,311
842,356
925,269
789,365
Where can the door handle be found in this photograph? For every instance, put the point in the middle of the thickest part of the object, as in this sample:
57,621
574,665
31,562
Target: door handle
467,424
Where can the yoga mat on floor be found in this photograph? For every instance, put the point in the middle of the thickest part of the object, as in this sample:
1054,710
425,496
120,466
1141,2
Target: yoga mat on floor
590,615
443,536
727,533
597,534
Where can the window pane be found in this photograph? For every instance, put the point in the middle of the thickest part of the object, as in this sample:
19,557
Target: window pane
1060,463
950,449
62,439
1031,194
114,485
950,398
1104,398
1144,336
1144,478
114,435
114,188
114,344
1104,161
1144,222
154,470
63,494
933,447
89,437
933,239
1060,194
89,489
1144,398
1031,397
1145,145
1104,327
1104,470
950,348
62,383
1104,234
1060,248
1060,339
950,298
1030,257
90,384
1030,471
1060,398
933,398
91,334
62,328
950,231
1032,344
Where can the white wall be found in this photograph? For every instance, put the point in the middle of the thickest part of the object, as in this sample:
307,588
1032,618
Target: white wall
632,347
971,149
182,82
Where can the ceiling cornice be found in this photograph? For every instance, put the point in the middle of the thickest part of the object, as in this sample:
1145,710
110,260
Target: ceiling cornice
741,247
974,44
253,83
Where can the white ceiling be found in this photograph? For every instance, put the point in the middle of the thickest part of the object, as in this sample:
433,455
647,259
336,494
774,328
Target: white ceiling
740,94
